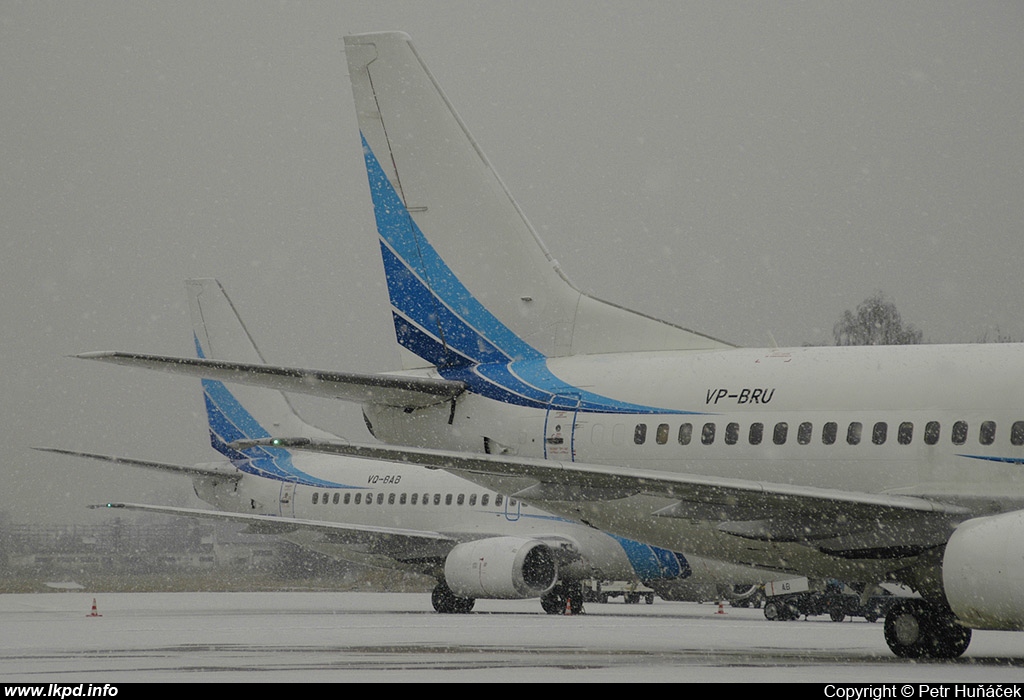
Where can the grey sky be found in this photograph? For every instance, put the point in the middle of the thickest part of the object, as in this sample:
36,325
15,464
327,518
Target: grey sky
749,170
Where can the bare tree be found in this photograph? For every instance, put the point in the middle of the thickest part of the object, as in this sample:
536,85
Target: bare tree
997,337
875,322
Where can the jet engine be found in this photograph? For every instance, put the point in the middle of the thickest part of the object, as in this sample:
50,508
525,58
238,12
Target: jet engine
501,567
983,572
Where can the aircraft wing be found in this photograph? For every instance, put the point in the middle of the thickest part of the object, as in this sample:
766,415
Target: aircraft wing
388,389
827,518
387,541
222,470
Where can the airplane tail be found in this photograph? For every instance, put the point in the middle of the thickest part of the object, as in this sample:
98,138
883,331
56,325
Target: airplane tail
240,412
470,281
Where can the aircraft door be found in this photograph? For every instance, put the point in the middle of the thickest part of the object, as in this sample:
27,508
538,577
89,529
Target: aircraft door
287,500
512,509
560,428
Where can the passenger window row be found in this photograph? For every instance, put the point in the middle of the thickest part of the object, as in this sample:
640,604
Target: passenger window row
879,433
406,499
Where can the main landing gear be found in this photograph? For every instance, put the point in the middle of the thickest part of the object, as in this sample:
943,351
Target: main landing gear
916,628
554,603
445,601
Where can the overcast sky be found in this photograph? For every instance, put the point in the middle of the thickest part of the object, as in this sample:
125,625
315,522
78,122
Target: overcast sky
749,170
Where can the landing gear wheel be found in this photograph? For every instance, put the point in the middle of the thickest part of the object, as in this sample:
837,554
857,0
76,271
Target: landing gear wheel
444,601
951,638
837,615
554,602
917,629
771,611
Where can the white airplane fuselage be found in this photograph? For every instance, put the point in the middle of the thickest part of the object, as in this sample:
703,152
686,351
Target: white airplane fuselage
392,495
914,385
942,422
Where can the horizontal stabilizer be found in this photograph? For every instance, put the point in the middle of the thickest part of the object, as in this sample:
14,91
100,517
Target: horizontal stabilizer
385,389
214,469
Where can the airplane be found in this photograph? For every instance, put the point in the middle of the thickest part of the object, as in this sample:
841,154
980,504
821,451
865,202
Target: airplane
864,464
475,542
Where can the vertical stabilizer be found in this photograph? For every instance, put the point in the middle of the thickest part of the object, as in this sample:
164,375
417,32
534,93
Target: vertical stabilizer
239,412
470,282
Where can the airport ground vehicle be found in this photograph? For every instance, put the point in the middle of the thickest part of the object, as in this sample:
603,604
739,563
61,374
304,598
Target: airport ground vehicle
604,591
804,597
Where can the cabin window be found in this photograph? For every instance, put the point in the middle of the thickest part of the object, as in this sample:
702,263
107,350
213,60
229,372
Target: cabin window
988,432
472,499
484,499
780,433
931,432
348,498
756,433
401,500
1017,433
326,497
803,433
316,498
359,498
906,433
732,433
414,499
391,499
828,433
879,432
959,432
640,434
707,434
685,433
662,436
853,433
497,500
337,497
437,499
461,499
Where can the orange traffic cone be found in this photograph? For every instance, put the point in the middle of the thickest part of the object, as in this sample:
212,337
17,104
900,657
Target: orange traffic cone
94,612
721,609
568,606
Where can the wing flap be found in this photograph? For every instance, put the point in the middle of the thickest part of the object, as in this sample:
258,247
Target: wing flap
387,389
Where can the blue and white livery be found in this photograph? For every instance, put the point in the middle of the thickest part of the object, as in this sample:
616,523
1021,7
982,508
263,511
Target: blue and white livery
870,464
476,542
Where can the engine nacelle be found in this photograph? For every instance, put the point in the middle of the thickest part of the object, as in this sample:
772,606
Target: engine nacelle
983,572
501,567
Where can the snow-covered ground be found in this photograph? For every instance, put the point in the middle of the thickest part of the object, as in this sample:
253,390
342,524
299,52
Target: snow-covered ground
270,637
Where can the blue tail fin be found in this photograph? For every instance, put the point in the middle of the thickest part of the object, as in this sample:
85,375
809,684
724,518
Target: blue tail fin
242,412
469,280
